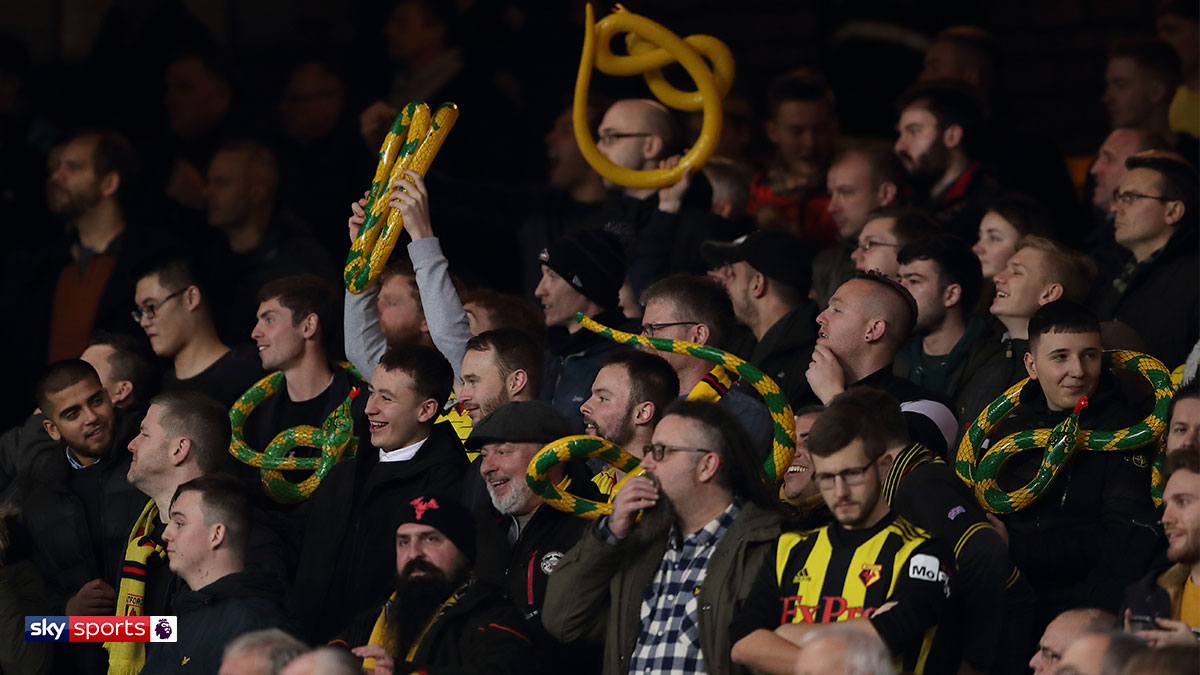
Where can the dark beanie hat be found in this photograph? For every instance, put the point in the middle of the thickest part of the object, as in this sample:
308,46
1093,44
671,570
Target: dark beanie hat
592,261
446,515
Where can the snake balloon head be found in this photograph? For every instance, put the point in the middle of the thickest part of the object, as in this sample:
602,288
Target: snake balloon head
651,47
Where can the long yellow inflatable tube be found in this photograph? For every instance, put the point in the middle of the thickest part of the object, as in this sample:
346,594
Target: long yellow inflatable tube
651,46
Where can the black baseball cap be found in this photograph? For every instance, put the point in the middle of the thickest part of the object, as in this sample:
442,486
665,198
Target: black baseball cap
520,422
778,255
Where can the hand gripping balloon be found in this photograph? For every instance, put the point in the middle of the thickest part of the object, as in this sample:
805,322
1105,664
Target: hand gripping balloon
1061,442
651,46
784,423
412,143
335,439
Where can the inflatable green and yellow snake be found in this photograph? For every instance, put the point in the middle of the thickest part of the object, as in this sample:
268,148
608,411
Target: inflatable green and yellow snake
1060,442
335,439
784,423
411,143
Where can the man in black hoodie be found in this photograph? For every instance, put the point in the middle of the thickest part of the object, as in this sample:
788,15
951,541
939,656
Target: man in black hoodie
1091,532
343,567
206,539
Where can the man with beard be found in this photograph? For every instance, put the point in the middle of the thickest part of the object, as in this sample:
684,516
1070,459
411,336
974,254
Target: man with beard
499,366
75,499
1172,595
80,276
440,618
660,591
871,570
938,129
628,398
528,536
949,343
768,279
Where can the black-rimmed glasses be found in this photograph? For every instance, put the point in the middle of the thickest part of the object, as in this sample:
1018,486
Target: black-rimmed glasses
148,310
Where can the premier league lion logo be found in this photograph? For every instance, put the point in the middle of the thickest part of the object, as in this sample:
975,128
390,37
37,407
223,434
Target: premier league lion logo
163,629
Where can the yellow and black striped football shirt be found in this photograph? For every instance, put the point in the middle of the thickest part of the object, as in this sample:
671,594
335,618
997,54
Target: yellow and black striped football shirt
833,574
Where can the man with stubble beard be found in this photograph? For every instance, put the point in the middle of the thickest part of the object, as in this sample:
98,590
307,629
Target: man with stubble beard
440,615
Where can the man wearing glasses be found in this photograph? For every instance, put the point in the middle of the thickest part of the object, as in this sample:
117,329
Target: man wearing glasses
871,570
173,310
1155,208
660,592
697,309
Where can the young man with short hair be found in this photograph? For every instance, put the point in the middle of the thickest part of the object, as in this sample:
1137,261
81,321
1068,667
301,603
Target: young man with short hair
206,539
1096,517
174,310
859,335
871,570
628,398
884,233
950,343
768,279
125,368
1171,595
407,453
1183,420
296,321
1041,271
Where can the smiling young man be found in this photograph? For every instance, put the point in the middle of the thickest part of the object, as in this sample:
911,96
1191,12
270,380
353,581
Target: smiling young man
206,539
296,318
1096,518
871,570
407,453
68,474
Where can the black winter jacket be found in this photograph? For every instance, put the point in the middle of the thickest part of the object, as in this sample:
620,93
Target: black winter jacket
348,559
1092,531
785,352
479,634
1162,299
211,617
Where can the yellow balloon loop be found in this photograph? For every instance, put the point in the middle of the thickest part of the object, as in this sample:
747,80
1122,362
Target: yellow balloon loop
651,46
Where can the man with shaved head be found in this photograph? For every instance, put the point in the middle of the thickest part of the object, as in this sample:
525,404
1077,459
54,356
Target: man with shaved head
858,337
1064,630
641,134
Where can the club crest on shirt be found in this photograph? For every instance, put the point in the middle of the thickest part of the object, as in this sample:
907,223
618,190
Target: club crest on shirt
550,561
869,574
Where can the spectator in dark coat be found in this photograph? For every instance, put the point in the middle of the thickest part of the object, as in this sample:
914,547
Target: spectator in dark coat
206,540
407,455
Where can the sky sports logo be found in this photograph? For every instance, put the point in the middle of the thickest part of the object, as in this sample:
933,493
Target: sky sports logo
100,629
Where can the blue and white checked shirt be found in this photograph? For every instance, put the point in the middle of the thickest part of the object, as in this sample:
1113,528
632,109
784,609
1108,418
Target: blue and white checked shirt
669,642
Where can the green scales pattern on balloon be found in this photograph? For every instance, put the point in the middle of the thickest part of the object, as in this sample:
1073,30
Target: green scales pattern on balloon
335,440
1061,442
783,421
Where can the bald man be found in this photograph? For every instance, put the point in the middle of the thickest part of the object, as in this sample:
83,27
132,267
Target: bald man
1062,631
858,337
640,135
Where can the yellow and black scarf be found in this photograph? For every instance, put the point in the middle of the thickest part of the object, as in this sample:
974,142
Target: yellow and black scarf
127,658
